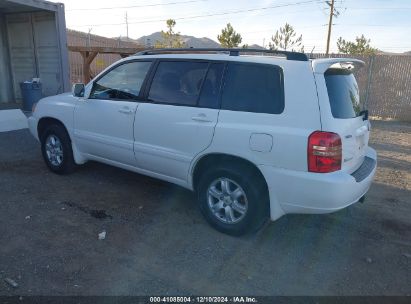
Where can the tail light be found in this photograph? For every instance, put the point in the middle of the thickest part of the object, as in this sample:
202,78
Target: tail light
324,152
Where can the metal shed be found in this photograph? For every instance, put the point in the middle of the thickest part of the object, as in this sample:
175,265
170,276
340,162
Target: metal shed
33,44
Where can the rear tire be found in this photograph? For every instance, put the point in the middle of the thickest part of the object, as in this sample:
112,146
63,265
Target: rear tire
233,199
56,149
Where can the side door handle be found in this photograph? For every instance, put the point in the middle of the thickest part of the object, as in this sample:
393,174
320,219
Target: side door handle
201,118
125,110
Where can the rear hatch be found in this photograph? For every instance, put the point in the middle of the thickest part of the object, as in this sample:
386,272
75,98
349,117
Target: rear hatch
343,112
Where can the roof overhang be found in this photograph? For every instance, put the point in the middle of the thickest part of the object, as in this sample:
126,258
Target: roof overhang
22,6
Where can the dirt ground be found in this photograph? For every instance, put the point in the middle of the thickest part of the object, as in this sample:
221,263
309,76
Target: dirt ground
158,243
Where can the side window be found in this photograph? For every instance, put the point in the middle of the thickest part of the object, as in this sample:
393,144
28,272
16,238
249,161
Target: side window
211,87
253,88
178,82
123,82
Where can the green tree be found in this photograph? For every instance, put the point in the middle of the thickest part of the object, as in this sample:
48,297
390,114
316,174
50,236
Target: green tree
361,45
286,39
170,39
229,38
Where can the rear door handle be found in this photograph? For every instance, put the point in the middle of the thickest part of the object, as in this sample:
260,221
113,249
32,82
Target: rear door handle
201,118
125,111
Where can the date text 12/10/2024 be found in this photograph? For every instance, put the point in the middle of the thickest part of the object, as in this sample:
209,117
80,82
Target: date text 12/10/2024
175,299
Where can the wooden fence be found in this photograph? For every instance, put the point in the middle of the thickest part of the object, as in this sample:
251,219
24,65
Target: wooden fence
75,38
385,81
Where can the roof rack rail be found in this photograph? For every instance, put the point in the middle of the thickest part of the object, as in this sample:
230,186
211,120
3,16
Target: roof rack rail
232,52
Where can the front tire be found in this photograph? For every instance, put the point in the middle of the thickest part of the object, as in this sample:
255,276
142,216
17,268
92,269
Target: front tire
233,199
56,149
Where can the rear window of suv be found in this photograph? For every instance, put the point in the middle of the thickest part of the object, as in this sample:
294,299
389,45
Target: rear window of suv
254,88
343,93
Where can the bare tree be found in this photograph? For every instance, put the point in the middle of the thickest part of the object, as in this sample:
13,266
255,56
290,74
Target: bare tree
286,39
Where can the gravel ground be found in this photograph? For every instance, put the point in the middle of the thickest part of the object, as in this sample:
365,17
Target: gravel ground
158,243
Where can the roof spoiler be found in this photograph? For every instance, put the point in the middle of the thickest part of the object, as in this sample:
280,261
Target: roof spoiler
322,65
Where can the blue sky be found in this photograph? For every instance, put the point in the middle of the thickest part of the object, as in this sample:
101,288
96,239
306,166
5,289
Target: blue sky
386,23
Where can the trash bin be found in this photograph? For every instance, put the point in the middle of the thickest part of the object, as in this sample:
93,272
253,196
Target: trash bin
31,93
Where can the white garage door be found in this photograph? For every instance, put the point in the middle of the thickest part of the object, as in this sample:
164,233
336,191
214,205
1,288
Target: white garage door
34,51
21,46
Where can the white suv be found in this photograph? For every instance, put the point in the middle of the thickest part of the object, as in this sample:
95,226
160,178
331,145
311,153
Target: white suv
255,136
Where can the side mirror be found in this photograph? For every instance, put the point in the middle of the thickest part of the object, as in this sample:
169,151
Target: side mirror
78,89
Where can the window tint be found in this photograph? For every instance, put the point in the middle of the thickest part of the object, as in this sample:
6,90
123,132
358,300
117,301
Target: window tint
123,82
343,93
211,87
253,88
178,82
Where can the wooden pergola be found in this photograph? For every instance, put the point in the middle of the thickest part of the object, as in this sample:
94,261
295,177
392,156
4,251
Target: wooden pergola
89,53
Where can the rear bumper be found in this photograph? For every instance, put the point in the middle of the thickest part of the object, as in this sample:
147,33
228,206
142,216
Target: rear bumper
305,192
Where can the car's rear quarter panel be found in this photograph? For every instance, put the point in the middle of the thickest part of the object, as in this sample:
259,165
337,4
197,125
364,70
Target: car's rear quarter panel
289,130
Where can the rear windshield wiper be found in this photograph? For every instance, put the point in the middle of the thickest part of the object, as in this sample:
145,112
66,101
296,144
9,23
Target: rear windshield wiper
364,113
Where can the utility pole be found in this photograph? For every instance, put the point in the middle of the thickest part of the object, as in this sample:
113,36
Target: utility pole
333,13
127,25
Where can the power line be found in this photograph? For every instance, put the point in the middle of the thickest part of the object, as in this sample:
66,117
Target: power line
273,29
266,13
135,6
372,25
379,8
211,14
